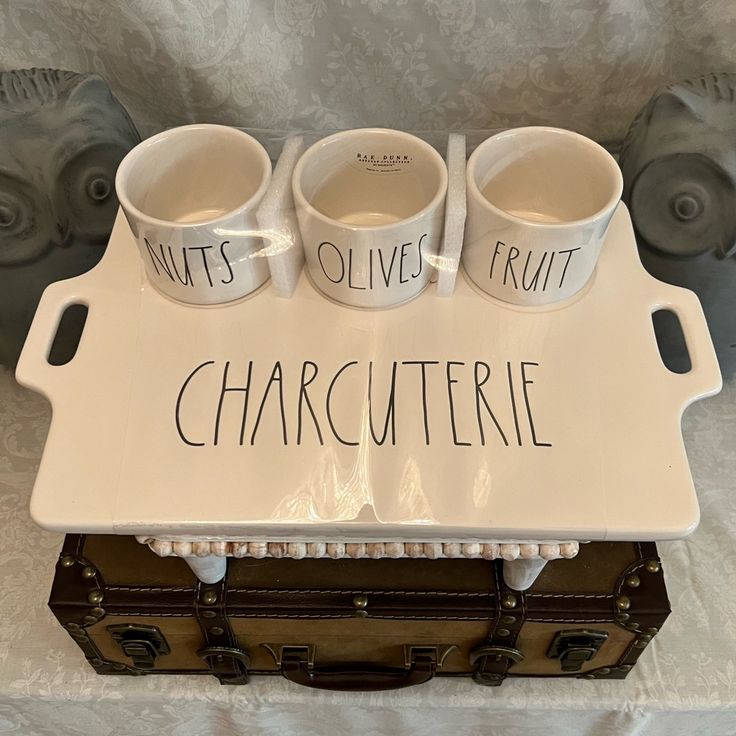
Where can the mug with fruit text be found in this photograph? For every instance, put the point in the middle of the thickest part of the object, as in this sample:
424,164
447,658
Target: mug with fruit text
370,205
190,196
539,203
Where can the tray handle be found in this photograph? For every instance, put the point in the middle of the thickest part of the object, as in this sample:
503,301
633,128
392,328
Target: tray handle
704,377
33,369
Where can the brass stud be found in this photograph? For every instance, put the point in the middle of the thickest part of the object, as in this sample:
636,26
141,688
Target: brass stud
646,638
95,662
508,601
360,601
97,611
80,635
208,614
360,613
71,626
508,619
217,631
90,619
652,631
633,581
625,667
209,597
623,616
653,566
67,561
503,632
623,603
119,666
89,572
95,597
632,625
604,671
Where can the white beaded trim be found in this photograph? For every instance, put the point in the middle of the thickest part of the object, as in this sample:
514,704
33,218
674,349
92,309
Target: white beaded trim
362,550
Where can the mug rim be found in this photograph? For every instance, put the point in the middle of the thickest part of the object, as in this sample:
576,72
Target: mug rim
610,204
317,146
132,157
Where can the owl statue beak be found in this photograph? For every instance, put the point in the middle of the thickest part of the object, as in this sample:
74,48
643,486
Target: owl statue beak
61,232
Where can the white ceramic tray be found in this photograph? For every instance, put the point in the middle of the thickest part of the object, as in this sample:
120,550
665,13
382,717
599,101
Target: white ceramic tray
588,443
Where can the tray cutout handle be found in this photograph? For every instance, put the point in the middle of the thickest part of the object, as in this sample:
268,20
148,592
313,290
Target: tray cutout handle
68,334
704,377
41,364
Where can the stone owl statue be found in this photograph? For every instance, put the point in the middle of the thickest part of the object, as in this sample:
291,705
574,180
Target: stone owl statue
679,167
62,136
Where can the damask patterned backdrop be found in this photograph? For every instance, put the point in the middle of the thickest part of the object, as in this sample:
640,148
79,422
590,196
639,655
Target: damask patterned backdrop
415,64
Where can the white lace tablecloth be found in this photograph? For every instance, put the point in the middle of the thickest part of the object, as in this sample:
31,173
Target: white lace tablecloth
685,683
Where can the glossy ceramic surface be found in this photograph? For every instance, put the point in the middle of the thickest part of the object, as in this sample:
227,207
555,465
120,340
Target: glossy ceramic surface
539,203
190,196
447,419
370,204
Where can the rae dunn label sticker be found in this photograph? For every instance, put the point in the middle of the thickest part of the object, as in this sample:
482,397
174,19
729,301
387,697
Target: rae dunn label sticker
382,162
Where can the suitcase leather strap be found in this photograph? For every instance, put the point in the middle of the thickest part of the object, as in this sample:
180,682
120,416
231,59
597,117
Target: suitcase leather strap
493,659
226,660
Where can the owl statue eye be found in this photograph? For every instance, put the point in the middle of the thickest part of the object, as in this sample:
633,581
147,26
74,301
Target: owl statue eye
98,186
87,191
10,213
27,225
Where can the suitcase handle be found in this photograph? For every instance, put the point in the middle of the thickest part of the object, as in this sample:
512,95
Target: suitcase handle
357,676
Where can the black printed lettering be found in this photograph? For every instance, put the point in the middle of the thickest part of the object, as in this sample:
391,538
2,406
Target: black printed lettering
387,278
535,279
227,263
321,263
328,406
224,389
420,256
479,396
202,249
276,377
187,273
513,404
524,383
304,398
390,414
450,382
402,280
177,412
350,272
493,259
549,270
567,263
513,254
425,414
161,261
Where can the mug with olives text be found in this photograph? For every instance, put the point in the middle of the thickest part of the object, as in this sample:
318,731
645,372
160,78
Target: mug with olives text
370,205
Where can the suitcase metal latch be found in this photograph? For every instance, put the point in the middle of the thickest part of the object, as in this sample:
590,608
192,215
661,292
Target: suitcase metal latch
575,647
141,643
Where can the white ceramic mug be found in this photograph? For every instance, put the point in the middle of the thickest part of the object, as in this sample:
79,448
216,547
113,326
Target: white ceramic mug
190,196
539,203
370,205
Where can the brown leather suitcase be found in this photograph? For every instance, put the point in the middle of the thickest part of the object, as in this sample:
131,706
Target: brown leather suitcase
358,624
